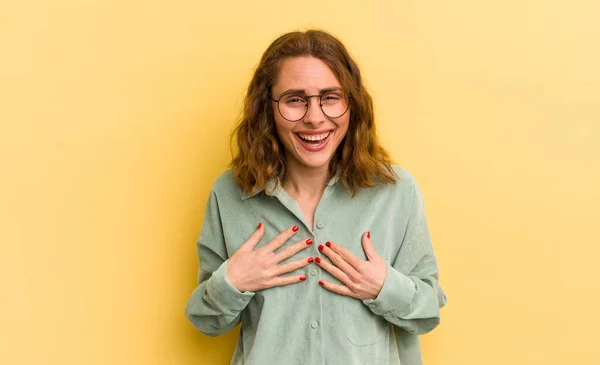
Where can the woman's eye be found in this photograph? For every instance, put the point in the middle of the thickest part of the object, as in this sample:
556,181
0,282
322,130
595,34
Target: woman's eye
294,100
331,97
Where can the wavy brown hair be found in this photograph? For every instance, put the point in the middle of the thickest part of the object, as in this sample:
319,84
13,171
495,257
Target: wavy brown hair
361,160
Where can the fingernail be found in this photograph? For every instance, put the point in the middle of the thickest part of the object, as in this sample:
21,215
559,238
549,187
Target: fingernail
328,244
321,282
295,228
310,260
309,242
318,260
302,278
368,234
320,247
259,225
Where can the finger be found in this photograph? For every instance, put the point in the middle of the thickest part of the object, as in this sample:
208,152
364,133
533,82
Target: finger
291,250
291,266
286,280
340,262
254,238
346,255
368,247
279,240
336,288
333,270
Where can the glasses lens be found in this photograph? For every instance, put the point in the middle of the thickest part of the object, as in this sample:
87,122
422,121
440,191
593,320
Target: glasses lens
334,103
292,107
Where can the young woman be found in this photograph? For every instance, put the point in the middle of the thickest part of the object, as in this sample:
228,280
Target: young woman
314,241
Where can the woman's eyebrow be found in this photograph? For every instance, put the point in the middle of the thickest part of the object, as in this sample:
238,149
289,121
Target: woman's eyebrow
303,92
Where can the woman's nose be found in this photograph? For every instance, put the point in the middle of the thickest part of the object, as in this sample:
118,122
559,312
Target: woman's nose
314,114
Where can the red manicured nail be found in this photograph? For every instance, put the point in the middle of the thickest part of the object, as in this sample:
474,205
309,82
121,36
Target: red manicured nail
368,234
321,282
295,228
259,225
310,259
320,247
328,244
318,260
302,278
309,242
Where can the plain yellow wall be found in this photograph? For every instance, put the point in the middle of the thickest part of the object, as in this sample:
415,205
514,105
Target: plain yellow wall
115,118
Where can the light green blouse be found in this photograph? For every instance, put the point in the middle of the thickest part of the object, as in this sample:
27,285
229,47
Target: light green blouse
304,323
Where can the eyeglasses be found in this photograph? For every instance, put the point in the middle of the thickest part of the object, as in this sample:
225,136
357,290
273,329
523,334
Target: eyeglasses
294,106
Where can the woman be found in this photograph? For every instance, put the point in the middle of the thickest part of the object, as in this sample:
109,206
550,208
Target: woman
314,241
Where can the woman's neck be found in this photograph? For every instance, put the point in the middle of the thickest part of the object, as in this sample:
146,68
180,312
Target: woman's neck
304,182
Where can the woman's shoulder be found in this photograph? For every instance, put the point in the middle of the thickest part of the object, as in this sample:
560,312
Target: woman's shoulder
225,178
406,184
405,180
403,174
225,184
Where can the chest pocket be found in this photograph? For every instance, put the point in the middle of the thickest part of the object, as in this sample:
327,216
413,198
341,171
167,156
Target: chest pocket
363,327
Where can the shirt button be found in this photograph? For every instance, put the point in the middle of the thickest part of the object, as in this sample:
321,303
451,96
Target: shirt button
313,272
246,299
314,325
373,305
320,225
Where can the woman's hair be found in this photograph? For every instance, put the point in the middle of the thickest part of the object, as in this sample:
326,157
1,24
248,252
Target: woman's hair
360,159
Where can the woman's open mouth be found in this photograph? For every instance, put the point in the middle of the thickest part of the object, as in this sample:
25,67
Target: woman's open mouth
314,142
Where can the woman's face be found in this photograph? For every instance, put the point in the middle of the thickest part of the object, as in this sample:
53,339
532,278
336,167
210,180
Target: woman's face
311,141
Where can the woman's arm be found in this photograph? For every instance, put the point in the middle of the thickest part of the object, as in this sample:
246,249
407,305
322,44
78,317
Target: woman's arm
215,305
411,296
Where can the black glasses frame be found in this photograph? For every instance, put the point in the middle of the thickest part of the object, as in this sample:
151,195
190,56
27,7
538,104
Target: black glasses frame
307,97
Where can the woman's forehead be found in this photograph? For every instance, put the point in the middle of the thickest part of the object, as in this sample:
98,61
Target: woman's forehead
305,73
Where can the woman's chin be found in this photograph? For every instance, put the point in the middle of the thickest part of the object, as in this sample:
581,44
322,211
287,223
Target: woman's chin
316,161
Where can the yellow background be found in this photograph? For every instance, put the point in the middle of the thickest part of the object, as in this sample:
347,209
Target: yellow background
115,117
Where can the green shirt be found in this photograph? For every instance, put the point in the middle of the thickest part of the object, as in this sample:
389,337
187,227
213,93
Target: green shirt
304,323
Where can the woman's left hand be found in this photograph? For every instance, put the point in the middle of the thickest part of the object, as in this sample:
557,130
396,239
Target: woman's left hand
362,279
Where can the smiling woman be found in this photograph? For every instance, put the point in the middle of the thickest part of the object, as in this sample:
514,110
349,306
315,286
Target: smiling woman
312,198
312,143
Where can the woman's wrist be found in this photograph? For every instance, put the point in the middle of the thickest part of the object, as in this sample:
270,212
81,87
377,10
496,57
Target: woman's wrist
234,281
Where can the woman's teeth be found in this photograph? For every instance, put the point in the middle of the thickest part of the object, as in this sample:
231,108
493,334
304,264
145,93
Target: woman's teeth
314,137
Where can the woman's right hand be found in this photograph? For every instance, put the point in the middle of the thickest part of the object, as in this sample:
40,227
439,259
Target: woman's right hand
251,270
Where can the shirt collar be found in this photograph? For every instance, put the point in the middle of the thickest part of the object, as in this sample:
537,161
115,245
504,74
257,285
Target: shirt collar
270,186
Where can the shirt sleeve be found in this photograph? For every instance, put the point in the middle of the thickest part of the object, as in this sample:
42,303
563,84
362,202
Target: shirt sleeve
215,306
411,296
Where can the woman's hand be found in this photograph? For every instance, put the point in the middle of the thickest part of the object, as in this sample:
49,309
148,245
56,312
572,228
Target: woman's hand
362,279
251,270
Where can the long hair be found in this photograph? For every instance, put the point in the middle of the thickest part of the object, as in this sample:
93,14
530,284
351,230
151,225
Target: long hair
359,158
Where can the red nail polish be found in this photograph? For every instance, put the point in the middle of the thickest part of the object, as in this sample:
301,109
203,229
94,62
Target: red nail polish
302,278
328,244
295,228
321,282
309,241
320,247
318,260
310,260
368,234
259,225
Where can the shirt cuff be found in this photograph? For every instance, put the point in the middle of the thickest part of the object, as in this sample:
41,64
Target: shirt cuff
225,295
396,294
